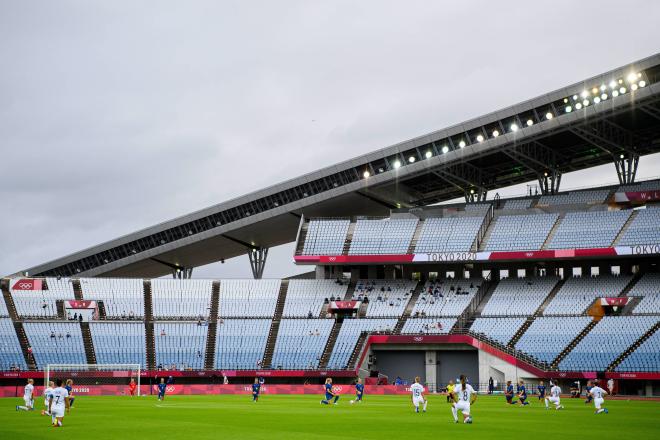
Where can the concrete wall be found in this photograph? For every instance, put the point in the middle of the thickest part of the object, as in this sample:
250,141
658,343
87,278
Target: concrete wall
451,364
501,371
406,364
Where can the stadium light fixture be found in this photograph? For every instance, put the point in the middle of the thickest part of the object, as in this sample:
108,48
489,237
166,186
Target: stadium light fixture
411,159
612,84
615,93
569,109
461,144
584,94
642,83
445,149
496,133
621,156
530,122
548,116
480,138
633,87
514,127
471,190
565,100
632,77
578,106
585,102
596,99
575,97
594,90
622,90
428,154
397,164
366,174
603,87
603,96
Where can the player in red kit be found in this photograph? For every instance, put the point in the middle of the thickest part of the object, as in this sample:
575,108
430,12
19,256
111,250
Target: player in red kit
132,387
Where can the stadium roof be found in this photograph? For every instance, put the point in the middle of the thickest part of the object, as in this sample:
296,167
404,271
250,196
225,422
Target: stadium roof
611,117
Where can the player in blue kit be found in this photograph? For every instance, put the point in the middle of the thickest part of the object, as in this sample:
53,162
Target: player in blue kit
162,386
329,394
522,393
256,388
590,398
69,388
359,390
508,393
541,389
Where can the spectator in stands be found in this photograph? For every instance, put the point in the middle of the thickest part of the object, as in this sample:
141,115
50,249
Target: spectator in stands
68,335
52,335
162,332
199,323
131,315
68,316
80,318
75,316
259,363
398,381
59,335
309,315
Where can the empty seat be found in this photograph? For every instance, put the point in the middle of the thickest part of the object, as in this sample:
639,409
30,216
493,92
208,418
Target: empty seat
325,237
176,298
390,236
578,293
56,343
349,334
428,326
646,357
305,297
588,229
386,297
448,234
644,229
180,345
122,297
119,342
248,298
446,297
519,296
546,337
520,232
300,343
240,343
11,354
498,329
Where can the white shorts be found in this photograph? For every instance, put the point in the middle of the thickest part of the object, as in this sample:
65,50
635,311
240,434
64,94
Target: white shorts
554,400
463,406
418,401
57,412
28,401
46,403
598,401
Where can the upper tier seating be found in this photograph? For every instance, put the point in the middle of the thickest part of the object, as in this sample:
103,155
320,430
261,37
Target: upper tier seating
253,298
498,329
325,237
300,343
4,313
240,343
644,229
575,198
648,287
304,297
645,358
181,298
605,342
11,355
650,185
349,334
578,293
446,297
180,345
387,236
448,234
386,297
122,297
519,296
520,232
477,207
42,303
588,229
119,342
430,326
56,343
548,336
517,204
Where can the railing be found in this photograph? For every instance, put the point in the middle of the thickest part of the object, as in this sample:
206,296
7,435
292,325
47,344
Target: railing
488,218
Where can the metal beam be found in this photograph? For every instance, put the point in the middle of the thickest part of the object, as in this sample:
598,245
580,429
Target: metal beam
626,167
258,262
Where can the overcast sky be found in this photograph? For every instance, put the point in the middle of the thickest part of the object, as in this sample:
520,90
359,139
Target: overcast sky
116,115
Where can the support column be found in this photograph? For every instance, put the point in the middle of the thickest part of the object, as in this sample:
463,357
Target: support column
431,362
182,273
257,258
549,182
626,167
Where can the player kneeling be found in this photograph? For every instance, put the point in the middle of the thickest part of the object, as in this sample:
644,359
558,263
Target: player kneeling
329,393
417,390
597,393
554,398
47,392
58,402
464,396
28,397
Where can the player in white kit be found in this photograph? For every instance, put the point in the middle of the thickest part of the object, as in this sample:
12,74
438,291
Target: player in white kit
417,391
28,397
554,397
598,393
47,391
58,402
464,396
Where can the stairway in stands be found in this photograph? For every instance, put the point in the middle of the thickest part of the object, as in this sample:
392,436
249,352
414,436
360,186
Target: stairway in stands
485,299
149,326
636,277
419,288
550,297
415,237
572,345
633,347
624,228
553,231
330,345
465,320
209,360
18,325
275,325
302,236
350,290
349,238
88,342
357,351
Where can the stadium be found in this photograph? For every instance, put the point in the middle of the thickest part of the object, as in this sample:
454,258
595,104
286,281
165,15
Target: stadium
417,267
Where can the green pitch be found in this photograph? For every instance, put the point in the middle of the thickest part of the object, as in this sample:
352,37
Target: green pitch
302,417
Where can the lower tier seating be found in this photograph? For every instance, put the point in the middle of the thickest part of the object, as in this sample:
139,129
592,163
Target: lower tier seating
645,358
349,334
119,343
548,336
300,343
11,354
498,329
56,343
180,345
240,343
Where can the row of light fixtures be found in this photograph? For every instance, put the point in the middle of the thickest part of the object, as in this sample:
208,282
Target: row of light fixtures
576,102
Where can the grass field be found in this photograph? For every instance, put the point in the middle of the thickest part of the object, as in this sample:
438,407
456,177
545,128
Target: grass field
302,417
